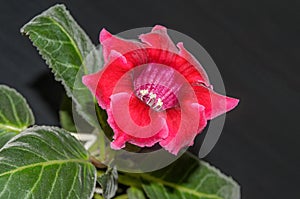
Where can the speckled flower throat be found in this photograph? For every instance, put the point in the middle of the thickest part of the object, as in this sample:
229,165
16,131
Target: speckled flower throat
157,86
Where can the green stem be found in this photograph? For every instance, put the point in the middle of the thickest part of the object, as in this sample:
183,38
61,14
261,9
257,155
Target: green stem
98,148
102,146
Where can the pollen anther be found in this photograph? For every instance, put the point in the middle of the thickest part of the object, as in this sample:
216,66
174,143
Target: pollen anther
144,92
157,97
152,96
159,102
158,105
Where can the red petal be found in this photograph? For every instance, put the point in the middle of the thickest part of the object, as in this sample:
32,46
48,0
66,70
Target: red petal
103,83
184,124
159,38
110,42
179,63
141,126
214,103
191,59
120,63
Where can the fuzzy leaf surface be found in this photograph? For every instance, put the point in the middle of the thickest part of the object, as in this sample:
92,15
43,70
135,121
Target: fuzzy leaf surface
45,162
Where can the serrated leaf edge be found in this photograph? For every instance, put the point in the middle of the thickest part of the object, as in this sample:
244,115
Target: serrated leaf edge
151,178
57,78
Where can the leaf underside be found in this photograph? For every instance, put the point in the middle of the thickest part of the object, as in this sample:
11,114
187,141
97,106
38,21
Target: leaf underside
109,182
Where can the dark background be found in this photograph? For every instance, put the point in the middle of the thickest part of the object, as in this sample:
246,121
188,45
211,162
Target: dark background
255,45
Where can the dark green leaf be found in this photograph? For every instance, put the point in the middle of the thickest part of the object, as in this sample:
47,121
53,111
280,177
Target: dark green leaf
190,178
45,162
135,193
15,114
66,116
69,52
109,182
5,137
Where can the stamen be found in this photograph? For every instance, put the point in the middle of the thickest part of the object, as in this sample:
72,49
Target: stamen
152,95
151,99
158,105
157,85
159,102
144,92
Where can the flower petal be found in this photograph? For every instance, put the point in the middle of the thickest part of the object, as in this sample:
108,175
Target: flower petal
184,124
177,62
110,42
122,55
191,59
214,103
141,124
159,38
103,83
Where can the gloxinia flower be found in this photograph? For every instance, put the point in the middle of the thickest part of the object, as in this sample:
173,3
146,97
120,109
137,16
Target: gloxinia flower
154,91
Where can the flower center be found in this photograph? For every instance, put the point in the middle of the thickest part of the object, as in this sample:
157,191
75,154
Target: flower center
157,85
158,97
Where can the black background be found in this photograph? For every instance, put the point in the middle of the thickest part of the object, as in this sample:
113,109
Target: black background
255,45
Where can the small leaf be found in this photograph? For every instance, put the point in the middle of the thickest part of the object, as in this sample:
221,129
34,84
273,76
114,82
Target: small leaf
109,182
190,178
45,162
69,53
15,114
135,193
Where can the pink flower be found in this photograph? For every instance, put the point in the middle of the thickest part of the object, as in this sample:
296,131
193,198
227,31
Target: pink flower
154,91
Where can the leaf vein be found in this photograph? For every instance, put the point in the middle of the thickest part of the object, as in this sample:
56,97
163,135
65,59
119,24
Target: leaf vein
73,183
179,187
51,162
71,40
54,181
5,187
35,184
13,109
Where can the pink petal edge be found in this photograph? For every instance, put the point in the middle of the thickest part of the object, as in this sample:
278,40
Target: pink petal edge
183,135
111,42
159,38
190,58
215,104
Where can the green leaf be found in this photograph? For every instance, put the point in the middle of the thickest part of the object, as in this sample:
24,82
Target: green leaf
109,182
65,115
135,193
15,114
45,162
69,53
188,177
5,137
